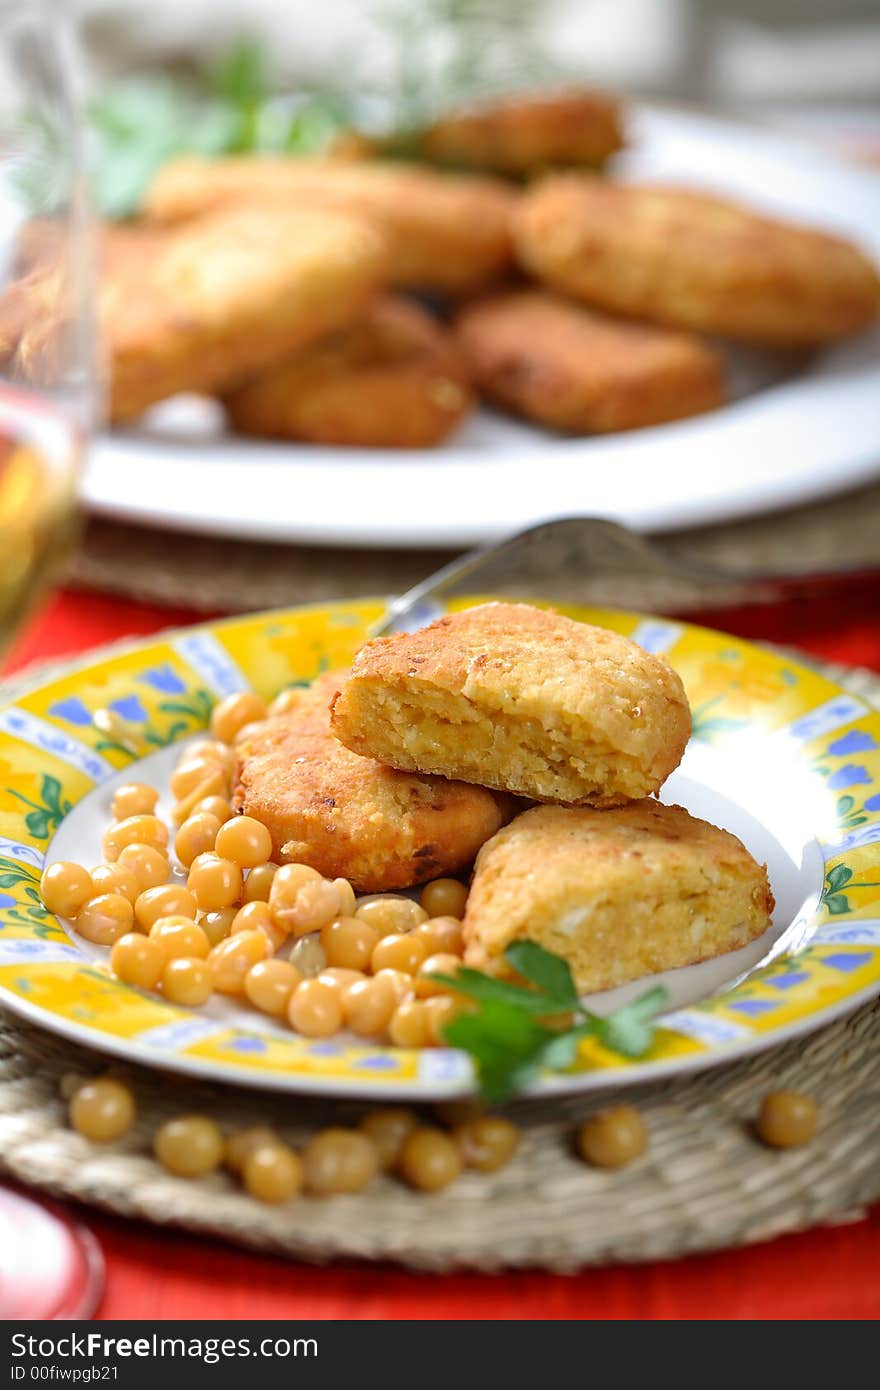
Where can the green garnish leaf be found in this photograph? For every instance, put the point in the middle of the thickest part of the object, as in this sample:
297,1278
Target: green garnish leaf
139,123
507,1038
505,1043
241,75
484,988
549,972
630,1029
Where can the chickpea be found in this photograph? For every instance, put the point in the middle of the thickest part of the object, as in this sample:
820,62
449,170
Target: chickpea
442,936
272,1173
230,962
347,900
234,712
258,883
386,1130
105,919
65,888
401,985
285,701
114,878
349,943
218,925
214,783
192,773
442,1009
189,1146
424,986
445,897
315,1009
134,799
394,952
338,1160
187,980
168,900
308,956
196,836
410,1024
247,731
134,830
340,977
300,903
102,1110
213,806
210,750
787,1119
136,960
243,1141
429,1159
269,985
179,936
390,915
214,882
149,865
245,841
487,1143
612,1138
367,1007
258,917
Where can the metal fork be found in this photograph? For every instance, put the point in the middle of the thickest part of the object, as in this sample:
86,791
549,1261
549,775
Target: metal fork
597,563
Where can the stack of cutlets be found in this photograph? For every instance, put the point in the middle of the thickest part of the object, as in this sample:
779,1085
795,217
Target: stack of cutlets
434,748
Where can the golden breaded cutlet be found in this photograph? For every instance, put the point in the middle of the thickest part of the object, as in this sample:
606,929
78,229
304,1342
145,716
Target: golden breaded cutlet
394,379
202,307
350,817
446,232
693,260
519,699
618,894
519,134
579,371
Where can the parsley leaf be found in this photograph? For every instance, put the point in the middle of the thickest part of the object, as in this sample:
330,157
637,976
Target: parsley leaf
139,123
550,973
508,1037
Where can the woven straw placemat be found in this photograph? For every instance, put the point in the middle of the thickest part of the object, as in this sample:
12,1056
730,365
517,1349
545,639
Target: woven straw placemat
705,1182
208,573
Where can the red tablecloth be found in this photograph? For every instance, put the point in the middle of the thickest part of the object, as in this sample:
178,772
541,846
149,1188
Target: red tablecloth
829,1274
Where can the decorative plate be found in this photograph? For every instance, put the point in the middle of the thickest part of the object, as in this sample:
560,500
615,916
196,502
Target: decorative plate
781,756
815,417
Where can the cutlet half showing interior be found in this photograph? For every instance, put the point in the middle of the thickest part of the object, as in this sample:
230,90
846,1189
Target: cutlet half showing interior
518,699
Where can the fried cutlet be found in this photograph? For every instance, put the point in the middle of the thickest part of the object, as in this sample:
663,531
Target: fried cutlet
394,379
618,894
692,260
205,306
200,307
519,134
519,699
350,817
569,367
444,231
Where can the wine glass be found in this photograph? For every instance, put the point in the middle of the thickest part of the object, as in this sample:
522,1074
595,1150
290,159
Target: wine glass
46,341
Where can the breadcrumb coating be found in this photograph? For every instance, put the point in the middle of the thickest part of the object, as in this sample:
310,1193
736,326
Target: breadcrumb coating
618,894
693,260
519,699
350,817
569,367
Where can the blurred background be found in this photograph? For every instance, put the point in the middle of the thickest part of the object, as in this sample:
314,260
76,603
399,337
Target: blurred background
156,547
218,77
775,58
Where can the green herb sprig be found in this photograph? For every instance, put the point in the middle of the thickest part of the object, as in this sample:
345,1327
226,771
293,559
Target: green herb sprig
139,123
511,1037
